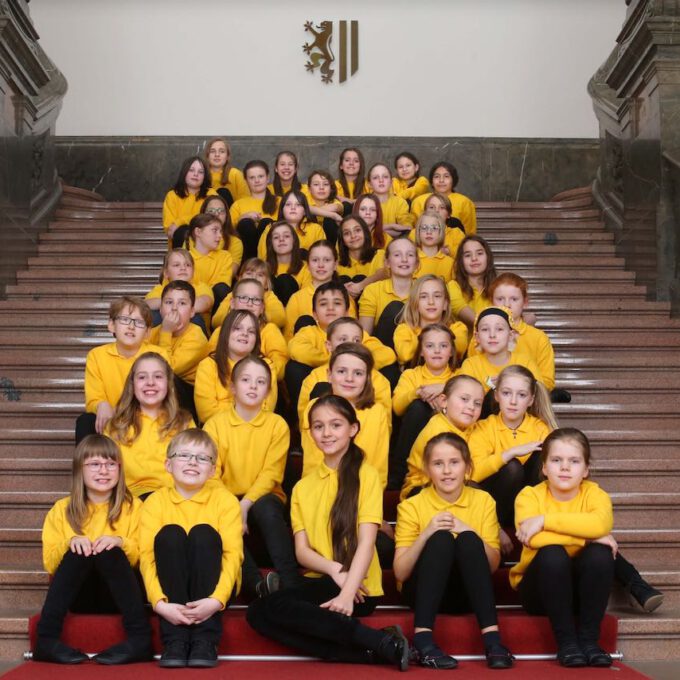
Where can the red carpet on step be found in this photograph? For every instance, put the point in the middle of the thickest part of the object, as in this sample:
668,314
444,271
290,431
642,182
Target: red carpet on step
293,670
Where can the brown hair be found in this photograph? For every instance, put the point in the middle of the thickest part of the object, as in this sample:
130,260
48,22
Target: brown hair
200,221
294,183
221,354
461,276
453,440
257,265
296,261
183,252
367,252
227,228
570,434
377,235
366,398
339,322
241,365
133,302
224,177
327,176
361,176
418,359
125,425
262,319
269,202
77,510
345,509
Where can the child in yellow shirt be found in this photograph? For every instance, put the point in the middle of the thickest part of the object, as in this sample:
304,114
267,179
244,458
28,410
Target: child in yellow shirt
91,536
252,447
409,183
286,262
351,180
446,550
323,203
218,207
397,220
285,174
359,262
146,418
107,366
227,180
191,552
368,207
335,511
454,232
429,237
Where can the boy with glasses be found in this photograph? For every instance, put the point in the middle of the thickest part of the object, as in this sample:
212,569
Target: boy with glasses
107,366
191,552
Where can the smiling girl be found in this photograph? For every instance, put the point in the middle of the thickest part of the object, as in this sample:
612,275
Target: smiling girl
397,219
227,180
408,184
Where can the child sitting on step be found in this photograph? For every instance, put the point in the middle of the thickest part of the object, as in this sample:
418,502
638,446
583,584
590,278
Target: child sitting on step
191,552
90,545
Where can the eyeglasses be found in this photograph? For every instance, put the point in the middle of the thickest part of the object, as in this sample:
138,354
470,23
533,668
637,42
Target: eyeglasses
128,321
216,211
96,465
186,457
429,228
247,300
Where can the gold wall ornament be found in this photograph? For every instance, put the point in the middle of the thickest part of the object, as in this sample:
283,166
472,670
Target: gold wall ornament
320,52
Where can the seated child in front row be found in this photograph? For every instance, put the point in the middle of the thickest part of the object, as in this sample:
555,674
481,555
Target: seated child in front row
90,538
191,552
345,329
335,512
308,348
239,337
567,564
252,446
146,418
107,366
446,550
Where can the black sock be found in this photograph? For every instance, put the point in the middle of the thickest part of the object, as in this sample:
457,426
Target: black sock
493,637
425,644
368,638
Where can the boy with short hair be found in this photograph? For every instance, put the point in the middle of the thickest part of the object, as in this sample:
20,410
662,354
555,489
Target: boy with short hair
107,366
191,550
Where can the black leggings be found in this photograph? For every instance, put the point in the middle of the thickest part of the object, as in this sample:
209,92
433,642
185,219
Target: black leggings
189,567
387,324
452,576
505,484
73,572
561,586
293,617
413,421
331,228
284,285
249,231
294,376
268,514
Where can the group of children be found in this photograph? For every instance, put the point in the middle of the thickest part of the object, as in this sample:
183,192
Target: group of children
361,323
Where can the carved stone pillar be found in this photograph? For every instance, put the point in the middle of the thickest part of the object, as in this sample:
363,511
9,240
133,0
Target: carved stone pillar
31,92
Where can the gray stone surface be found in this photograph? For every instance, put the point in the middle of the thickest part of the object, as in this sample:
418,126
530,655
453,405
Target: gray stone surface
143,169
636,97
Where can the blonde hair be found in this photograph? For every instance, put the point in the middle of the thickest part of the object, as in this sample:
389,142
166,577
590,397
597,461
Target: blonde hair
542,406
442,228
78,510
410,314
182,252
195,436
126,424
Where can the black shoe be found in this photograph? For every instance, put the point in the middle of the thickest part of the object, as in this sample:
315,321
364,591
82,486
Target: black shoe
442,662
394,647
268,585
571,656
203,654
560,396
596,656
175,654
55,651
642,595
498,656
125,652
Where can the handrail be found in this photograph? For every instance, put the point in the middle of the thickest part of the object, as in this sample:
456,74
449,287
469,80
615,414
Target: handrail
673,161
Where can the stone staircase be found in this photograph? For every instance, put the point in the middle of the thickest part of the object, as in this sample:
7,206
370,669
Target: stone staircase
616,353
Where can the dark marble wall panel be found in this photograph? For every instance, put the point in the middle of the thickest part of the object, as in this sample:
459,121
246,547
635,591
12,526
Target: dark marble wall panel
137,169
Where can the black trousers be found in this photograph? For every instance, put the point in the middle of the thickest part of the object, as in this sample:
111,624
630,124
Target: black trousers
294,376
185,396
115,570
561,586
249,231
284,285
452,576
293,617
188,568
220,291
268,515
505,484
331,229
413,421
85,424
386,324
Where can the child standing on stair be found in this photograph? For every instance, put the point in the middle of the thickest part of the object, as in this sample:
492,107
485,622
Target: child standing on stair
90,545
191,552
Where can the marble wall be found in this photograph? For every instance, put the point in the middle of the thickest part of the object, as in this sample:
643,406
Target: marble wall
31,92
143,169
